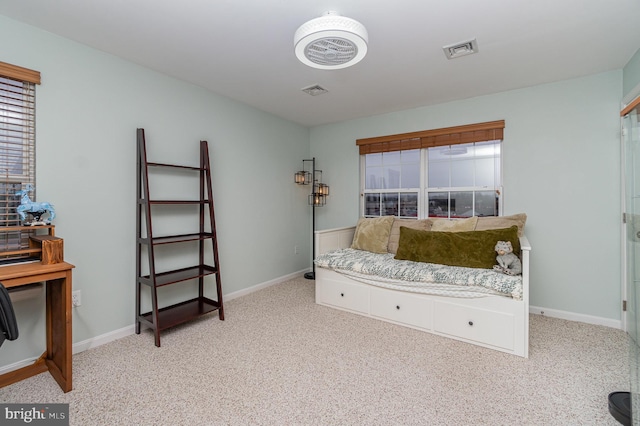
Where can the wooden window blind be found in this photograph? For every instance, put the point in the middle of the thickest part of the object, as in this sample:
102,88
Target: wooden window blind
630,107
489,131
17,147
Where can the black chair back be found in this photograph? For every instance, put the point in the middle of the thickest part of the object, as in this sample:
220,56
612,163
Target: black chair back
8,323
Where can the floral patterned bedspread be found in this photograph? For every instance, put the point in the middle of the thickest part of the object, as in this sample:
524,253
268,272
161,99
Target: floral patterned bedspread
377,268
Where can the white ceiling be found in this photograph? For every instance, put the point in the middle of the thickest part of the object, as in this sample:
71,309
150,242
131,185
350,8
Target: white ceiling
243,49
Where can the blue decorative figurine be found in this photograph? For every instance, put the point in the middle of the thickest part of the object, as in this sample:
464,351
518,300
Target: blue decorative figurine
35,209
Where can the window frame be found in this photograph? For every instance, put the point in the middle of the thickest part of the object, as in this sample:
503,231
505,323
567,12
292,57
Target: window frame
17,146
423,140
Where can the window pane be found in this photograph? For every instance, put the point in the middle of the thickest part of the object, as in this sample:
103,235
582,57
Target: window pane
389,204
465,178
372,160
410,156
411,175
393,177
393,170
438,204
372,205
373,178
485,172
486,203
462,172
410,168
391,158
439,174
8,204
461,204
409,204
487,149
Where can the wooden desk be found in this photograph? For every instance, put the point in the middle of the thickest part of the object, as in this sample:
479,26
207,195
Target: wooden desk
57,358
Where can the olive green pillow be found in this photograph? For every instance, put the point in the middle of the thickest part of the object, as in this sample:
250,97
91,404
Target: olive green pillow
372,234
472,249
394,236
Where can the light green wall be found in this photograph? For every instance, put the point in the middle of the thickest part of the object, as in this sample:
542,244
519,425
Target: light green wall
561,166
88,108
631,74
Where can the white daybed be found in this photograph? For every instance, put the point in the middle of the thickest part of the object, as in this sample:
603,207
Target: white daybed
493,321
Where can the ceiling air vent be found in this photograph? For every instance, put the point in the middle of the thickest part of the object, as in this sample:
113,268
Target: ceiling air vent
461,49
315,90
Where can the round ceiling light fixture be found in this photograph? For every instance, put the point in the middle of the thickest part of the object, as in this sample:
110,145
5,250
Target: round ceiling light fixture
331,42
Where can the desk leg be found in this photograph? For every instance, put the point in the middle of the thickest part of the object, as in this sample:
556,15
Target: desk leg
59,330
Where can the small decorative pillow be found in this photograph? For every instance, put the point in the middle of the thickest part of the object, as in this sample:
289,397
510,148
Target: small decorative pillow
455,225
372,234
497,222
394,237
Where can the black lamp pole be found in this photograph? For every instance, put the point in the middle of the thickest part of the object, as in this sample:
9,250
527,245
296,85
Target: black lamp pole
312,275
317,198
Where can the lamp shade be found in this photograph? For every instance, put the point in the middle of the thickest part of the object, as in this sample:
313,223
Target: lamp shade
317,200
323,189
303,177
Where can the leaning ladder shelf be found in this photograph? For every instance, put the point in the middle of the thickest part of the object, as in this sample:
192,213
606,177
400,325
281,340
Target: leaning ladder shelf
158,319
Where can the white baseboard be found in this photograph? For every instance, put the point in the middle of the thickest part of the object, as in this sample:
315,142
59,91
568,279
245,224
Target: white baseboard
572,316
103,339
17,365
129,330
266,284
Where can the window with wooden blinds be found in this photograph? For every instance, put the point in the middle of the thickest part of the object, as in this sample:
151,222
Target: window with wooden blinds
452,172
17,148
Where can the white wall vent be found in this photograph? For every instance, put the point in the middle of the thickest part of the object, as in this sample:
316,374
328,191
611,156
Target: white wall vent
461,49
314,90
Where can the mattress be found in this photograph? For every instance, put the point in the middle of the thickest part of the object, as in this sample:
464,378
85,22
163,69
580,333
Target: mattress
453,281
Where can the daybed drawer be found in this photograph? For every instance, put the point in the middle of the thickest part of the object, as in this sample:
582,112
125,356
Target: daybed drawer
480,325
344,295
401,307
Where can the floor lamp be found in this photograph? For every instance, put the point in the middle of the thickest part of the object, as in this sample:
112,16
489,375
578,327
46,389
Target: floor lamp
317,198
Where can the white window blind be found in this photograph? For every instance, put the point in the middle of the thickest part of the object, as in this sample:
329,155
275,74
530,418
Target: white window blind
17,147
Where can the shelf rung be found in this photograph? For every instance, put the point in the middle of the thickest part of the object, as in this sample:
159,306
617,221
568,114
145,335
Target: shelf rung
179,313
192,202
175,276
181,238
170,239
174,166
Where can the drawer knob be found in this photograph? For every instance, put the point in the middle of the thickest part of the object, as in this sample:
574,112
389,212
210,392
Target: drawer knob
471,323
398,307
341,294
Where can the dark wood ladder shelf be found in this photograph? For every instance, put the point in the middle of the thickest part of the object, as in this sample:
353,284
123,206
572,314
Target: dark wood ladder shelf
158,319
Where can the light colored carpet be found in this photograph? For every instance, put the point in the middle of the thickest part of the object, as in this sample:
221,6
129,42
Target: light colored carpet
280,359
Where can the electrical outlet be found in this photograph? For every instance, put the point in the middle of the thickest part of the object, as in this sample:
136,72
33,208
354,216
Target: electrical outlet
76,299
295,250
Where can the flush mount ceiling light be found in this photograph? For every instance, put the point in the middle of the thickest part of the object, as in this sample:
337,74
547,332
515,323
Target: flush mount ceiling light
331,42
